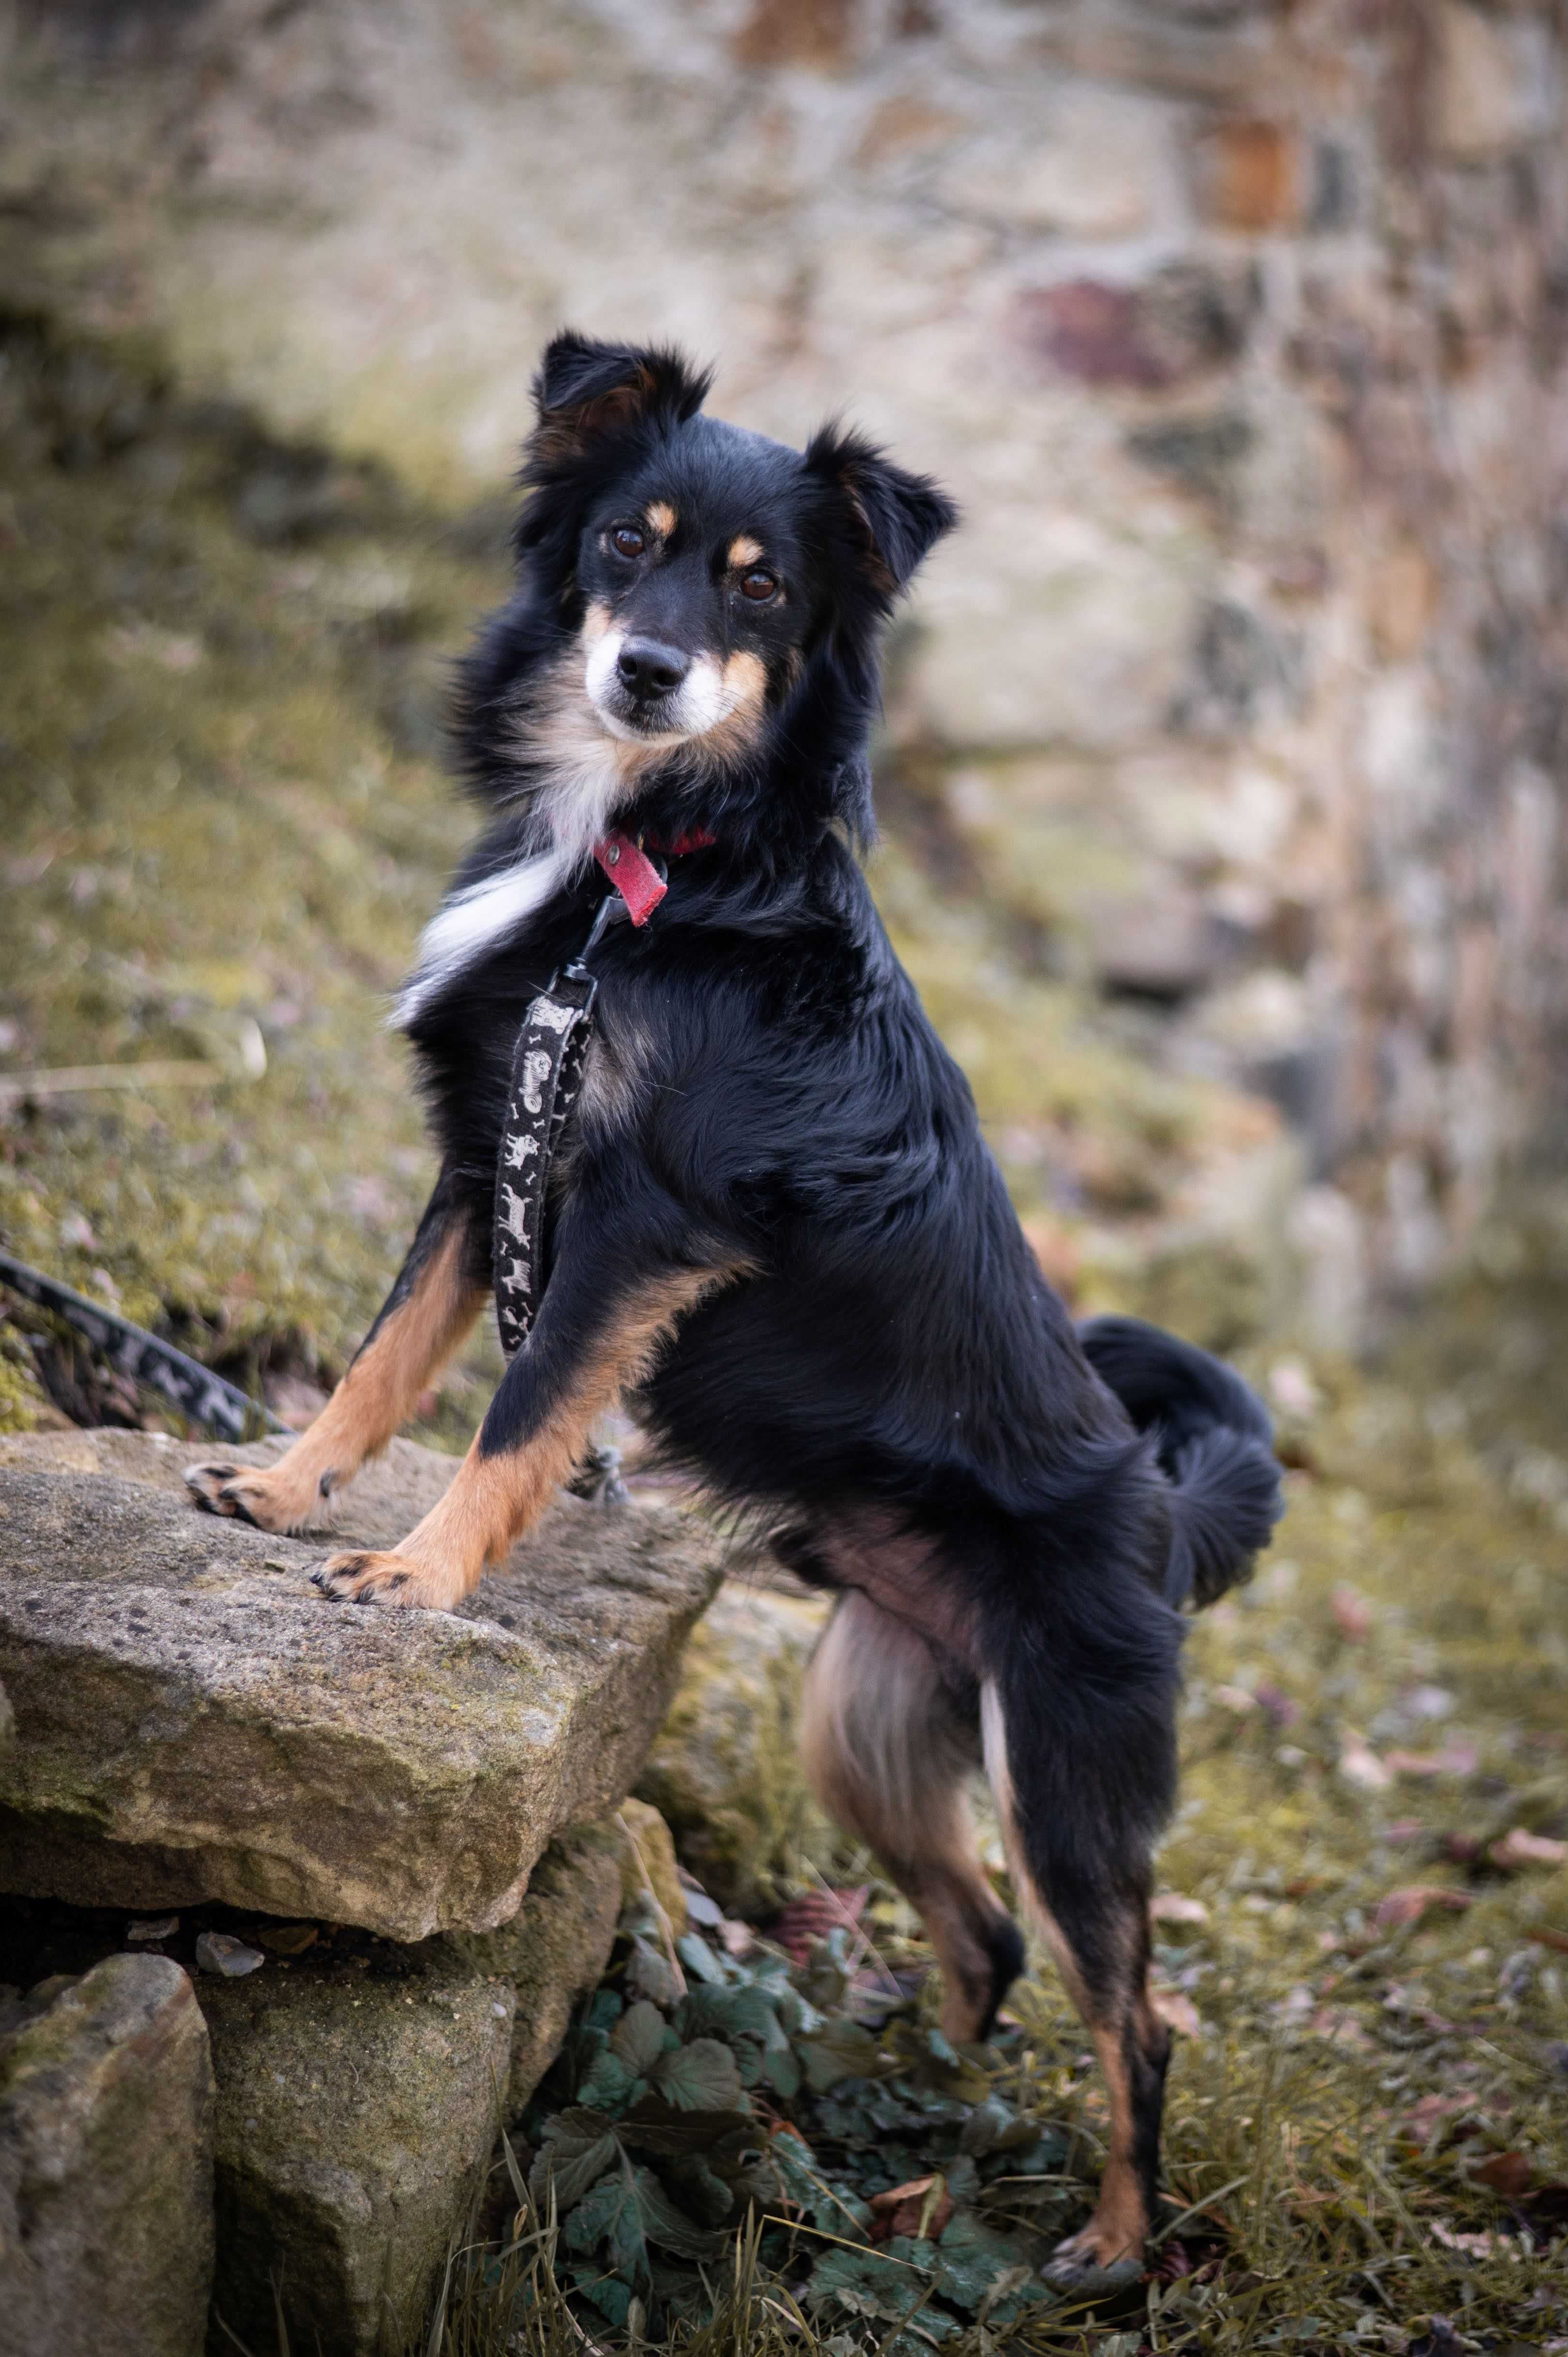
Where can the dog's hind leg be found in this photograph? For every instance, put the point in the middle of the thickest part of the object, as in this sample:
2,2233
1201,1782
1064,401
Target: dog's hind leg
890,1752
439,1292
1084,1884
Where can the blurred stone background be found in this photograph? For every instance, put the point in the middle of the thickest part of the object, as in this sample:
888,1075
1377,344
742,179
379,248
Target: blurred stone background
1222,763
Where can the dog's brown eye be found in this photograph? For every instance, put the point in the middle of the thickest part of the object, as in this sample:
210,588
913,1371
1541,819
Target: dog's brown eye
627,541
757,584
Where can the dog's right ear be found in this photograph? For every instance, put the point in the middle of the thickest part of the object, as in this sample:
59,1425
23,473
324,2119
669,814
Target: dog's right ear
586,392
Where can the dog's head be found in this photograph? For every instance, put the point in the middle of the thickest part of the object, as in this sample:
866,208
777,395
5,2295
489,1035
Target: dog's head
701,580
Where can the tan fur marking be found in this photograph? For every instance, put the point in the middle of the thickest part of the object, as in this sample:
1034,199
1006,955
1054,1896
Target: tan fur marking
493,1499
883,1754
745,677
596,622
377,1393
560,731
662,519
562,728
1121,2223
744,552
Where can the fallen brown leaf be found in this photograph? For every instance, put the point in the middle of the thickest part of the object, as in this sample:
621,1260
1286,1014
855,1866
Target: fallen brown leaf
288,1939
1276,1702
1507,2173
1551,1939
1341,2028
1424,2120
1454,1760
1405,1906
1171,1907
1521,1848
913,2190
1352,1613
904,2209
1177,2011
810,1915
1235,1699
1360,1766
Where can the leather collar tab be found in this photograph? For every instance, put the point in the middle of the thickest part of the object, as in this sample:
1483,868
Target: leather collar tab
633,874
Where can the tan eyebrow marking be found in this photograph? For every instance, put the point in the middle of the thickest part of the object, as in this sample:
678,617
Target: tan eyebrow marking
744,550
662,519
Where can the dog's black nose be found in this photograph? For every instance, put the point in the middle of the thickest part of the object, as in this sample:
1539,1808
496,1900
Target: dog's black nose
648,668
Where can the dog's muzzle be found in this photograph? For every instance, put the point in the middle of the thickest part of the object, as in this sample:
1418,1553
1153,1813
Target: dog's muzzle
645,690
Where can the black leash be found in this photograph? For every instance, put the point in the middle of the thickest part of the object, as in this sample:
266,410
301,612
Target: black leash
194,1389
546,1076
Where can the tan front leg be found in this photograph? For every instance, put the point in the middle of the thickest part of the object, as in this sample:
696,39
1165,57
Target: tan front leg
498,1494
414,1337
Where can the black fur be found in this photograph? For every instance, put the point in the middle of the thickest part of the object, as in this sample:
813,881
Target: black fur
891,1359
1215,1443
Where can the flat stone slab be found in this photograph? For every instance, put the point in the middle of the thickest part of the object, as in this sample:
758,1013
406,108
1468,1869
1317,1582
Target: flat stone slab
193,1722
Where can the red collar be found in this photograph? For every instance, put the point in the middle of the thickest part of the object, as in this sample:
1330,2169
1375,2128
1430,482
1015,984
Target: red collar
634,875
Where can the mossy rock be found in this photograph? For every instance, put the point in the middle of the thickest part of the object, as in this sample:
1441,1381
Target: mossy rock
725,1771
106,2111
648,1861
554,1948
401,1770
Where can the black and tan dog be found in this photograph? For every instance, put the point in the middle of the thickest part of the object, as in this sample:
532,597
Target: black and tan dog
774,1222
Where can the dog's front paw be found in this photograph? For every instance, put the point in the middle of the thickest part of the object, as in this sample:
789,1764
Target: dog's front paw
364,1576
1095,2259
266,1496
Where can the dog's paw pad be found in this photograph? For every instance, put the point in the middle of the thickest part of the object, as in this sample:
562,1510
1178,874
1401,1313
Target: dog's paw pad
365,1577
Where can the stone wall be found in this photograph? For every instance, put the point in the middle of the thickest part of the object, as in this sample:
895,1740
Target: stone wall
1238,330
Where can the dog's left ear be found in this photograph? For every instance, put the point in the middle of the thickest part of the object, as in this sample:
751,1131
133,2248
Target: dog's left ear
897,517
588,392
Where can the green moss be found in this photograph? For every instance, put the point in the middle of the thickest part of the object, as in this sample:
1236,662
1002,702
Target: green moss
24,1404
217,841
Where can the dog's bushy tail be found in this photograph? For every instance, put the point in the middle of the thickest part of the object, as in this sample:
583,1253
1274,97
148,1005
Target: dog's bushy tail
1215,1444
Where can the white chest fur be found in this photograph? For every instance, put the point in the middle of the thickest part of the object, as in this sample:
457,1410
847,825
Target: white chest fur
472,922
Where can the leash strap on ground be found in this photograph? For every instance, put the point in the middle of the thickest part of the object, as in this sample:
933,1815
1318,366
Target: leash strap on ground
131,1350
